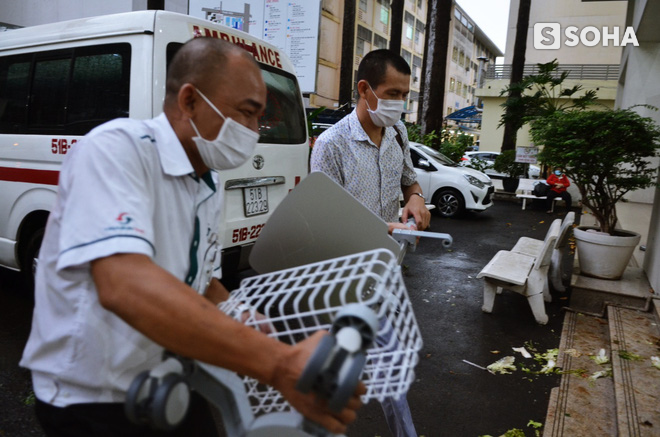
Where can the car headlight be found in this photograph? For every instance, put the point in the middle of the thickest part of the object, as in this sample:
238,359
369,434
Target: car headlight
474,181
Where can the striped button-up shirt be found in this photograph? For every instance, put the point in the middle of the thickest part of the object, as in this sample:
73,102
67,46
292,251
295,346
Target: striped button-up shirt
373,175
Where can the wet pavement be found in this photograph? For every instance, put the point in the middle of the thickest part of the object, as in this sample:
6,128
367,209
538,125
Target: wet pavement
16,397
449,397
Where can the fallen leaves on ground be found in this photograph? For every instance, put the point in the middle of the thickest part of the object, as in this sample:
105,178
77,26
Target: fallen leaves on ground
502,366
601,358
601,374
516,432
629,356
522,351
655,362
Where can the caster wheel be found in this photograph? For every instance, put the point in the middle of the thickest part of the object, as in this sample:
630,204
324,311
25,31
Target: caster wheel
315,364
349,382
171,401
137,399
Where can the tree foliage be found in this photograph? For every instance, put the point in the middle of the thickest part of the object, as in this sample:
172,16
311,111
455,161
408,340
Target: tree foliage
415,135
541,95
506,163
605,153
453,146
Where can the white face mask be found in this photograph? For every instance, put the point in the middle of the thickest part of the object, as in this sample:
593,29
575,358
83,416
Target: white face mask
233,146
387,113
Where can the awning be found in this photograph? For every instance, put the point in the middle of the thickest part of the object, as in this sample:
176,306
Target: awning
469,114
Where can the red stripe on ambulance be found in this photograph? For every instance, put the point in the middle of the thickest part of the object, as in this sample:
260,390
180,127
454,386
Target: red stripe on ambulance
28,175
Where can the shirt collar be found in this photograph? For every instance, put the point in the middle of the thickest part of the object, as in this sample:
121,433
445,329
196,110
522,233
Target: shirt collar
173,158
359,134
357,131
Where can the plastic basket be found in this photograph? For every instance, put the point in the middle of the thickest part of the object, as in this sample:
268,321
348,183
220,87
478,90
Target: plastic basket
300,301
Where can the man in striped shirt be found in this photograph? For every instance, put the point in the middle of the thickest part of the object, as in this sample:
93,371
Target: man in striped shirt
367,153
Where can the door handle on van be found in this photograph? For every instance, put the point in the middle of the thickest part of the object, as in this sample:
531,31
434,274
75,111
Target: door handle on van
234,184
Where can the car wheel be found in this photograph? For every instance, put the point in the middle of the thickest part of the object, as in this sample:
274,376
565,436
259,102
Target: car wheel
449,203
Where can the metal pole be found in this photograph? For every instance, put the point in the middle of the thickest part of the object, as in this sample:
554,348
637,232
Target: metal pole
246,18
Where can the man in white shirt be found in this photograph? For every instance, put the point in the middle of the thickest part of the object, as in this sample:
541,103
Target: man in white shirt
129,265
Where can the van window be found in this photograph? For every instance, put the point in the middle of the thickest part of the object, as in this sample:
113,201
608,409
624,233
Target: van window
100,87
14,83
47,106
283,121
66,91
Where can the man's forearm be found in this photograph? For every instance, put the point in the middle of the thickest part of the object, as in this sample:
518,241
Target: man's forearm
410,190
173,315
415,206
216,292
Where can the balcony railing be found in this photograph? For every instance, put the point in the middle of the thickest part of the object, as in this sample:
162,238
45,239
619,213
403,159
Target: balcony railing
575,71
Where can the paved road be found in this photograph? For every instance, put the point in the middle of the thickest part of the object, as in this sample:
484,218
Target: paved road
450,398
16,417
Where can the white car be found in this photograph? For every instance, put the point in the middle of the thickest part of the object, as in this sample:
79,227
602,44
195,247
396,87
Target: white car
451,188
489,159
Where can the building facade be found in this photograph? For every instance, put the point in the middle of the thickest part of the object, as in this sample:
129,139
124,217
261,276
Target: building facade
373,21
472,52
623,77
595,68
638,84
467,43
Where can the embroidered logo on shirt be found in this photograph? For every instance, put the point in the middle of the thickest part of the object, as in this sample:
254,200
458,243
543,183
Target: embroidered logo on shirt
124,218
123,224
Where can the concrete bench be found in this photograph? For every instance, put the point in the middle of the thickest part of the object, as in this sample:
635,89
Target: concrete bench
532,247
525,191
522,273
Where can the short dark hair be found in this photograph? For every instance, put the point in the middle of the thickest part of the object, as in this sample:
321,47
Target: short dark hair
374,65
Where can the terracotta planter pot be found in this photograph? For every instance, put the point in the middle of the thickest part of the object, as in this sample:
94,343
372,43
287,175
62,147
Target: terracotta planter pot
604,256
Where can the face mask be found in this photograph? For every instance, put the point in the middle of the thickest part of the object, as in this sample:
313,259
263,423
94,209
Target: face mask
387,113
233,146
558,172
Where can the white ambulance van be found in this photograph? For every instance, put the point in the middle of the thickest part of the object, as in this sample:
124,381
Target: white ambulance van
58,81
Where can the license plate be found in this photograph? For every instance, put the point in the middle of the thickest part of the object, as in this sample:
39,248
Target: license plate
255,200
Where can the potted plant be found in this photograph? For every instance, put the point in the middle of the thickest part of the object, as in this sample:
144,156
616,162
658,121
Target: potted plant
506,163
606,155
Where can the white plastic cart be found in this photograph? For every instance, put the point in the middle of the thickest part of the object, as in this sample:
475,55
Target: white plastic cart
359,297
